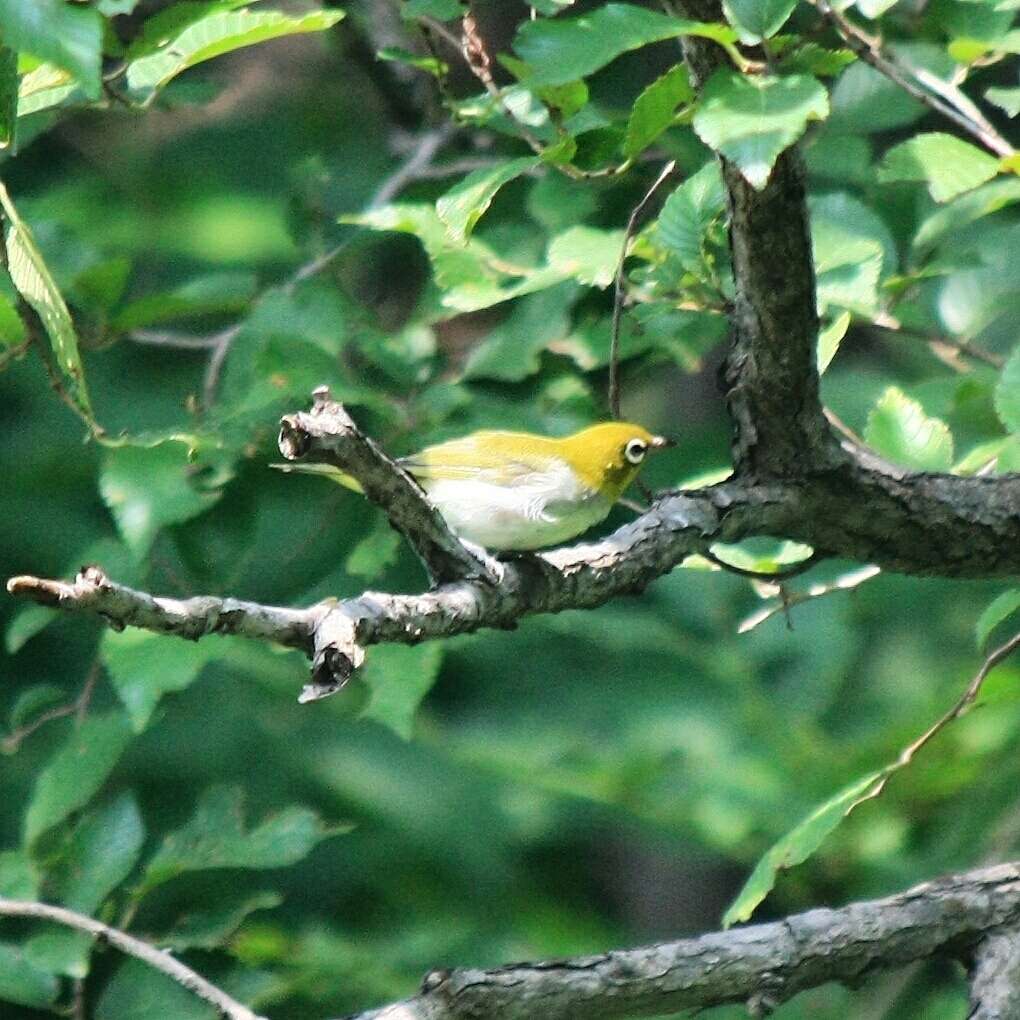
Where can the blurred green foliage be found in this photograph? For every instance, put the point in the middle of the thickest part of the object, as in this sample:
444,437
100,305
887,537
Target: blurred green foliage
204,241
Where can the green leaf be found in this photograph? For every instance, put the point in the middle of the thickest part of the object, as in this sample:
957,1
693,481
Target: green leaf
112,8
18,878
1007,393
398,677
68,35
864,101
947,164
101,285
796,847
874,8
22,982
441,10
60,952
562,50
466,202
1007,99
1000,609
216,34
147,489
752,120
206,295
817,60
587,254
829,339
45,87
755,20
654,109
965,209
137,992
76,772
144,666
100,854
556,202
8,95
847,265
215,838
211,927
376,551
398,55
511,350
689,212
859,219
899,429
32,278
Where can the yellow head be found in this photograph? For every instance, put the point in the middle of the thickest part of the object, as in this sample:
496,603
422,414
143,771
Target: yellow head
608,456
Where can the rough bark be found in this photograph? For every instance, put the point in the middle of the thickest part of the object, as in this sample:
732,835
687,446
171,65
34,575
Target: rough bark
761,965
995,977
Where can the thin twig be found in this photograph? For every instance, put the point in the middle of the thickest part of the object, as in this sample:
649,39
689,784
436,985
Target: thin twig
411,169
472,48
770,577
844,582
970,693
13,353
171,339
158,959
79,707
220,344
906,756
943,98
430,144
964,347
614,342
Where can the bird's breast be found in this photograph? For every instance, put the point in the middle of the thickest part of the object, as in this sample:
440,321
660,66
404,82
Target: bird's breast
539,509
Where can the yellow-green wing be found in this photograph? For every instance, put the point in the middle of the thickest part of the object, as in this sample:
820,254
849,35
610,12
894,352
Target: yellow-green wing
499,456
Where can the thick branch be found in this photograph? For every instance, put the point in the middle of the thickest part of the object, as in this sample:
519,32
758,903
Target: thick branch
327,435
119,606
995,977
336,633
762,965
158,959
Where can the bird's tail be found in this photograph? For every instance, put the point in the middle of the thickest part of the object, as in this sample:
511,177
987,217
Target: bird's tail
325,471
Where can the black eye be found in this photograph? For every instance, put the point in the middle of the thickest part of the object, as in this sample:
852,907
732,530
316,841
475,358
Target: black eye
635,451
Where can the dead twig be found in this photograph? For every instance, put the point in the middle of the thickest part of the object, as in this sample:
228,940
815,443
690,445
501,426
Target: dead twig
78,708
614,343
158,959
937,95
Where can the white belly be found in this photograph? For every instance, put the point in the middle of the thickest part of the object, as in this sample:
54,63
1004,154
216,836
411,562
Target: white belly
547,509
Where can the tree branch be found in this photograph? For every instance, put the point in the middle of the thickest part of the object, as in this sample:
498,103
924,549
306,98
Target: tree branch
792,478
762,965
925,87
995,977
327,435
158,959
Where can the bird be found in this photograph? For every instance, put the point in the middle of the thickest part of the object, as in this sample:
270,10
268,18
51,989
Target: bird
518,491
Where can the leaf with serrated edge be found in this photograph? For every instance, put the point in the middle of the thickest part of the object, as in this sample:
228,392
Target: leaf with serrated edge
796,847
31,276
949,165
1007,393
655,108
215,35
752,120
997,611
466,202
899,429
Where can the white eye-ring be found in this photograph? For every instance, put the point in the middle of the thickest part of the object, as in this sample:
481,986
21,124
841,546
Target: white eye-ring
635,450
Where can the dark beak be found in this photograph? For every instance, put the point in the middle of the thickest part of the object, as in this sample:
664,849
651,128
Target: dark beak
662,442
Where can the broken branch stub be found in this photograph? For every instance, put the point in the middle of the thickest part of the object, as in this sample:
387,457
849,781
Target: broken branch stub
328,435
